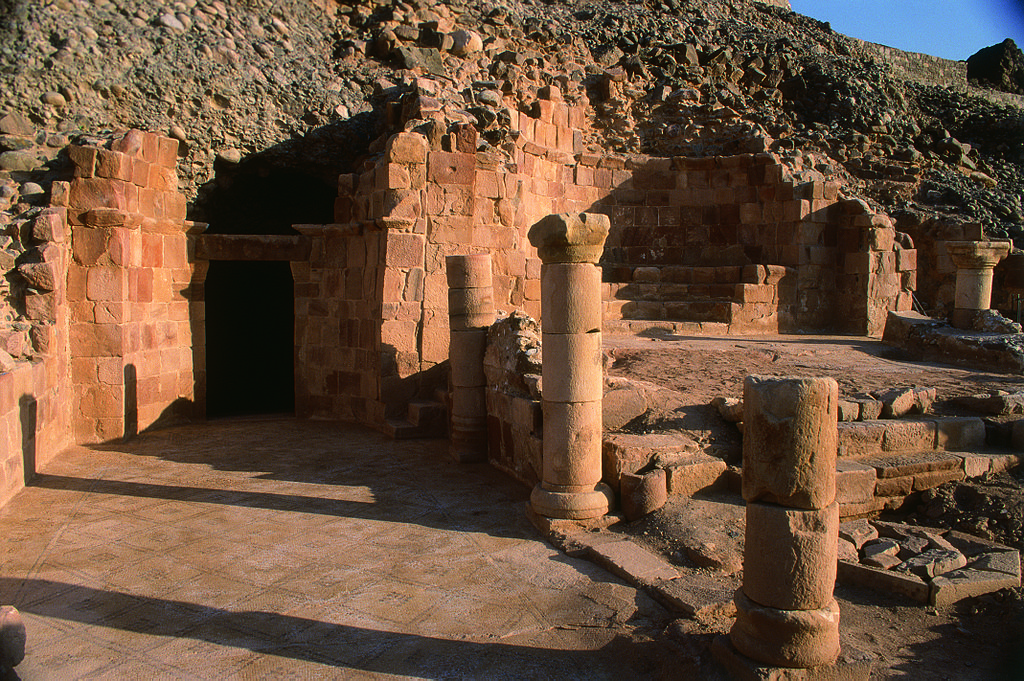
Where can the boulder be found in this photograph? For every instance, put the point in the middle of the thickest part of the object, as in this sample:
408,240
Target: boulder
1000,67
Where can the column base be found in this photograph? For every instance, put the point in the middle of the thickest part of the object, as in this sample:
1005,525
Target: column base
786,638
468,446
852,665
962,318
572,505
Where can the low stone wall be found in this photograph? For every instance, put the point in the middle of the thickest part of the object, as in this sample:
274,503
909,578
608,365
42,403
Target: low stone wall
512,365
35,418
917,67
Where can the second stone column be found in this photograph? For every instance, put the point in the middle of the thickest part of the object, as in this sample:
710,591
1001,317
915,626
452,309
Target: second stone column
470,313
569,246
786,615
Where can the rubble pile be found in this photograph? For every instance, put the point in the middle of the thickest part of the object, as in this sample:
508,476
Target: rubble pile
316,83
933,566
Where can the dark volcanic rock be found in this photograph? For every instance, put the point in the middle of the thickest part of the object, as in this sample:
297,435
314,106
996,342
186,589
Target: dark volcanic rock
999,66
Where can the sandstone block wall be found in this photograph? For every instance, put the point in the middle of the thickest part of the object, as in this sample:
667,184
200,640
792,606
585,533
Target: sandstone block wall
129,288
917,67
35,395
428,196
337,327
115,323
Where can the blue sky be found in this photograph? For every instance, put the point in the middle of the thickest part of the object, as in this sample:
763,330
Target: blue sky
954,29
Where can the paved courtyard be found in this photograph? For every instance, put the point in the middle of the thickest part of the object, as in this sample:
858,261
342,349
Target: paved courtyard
278,548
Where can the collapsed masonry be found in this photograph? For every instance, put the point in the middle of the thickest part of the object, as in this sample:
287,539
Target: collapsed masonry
738,244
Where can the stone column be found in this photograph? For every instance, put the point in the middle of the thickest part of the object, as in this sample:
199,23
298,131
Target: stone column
470,314
569,246
785,613
975,261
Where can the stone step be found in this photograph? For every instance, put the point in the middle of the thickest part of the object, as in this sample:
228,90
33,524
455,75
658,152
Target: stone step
687,470
867,438
621,326
668,291
867,485
719,311
426,419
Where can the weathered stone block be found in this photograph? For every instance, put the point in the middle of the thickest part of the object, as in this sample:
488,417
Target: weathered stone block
961,434
933,563
855,482
858,532
407,147
789,440
908,436
966,583
786,638
903,583
642,493
789,559
695,474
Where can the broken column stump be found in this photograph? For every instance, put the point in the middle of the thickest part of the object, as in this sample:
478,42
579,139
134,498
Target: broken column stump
975,262
569,246
470,314
786,615
12,637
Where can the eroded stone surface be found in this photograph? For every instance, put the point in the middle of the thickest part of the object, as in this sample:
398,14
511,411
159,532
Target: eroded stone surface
789,440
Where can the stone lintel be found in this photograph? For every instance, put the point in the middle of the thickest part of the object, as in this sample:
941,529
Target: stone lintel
252,247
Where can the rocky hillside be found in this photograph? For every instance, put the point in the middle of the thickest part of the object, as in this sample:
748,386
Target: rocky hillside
311,86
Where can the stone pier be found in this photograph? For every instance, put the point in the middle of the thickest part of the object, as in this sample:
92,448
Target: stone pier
470,313
786,615
569,246
975,262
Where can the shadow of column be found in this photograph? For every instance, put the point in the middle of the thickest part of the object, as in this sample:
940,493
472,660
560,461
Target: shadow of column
131,402
28,416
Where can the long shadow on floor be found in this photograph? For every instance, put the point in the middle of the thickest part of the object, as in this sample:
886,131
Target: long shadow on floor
410,482
344,646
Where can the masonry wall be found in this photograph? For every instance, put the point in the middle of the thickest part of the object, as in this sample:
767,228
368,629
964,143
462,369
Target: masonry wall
129,288
424,199
35,397
337,322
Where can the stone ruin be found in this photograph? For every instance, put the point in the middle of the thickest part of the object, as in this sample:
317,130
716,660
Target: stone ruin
104,322
108,330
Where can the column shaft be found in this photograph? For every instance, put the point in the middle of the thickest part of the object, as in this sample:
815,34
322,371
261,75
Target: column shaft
569,246
470,313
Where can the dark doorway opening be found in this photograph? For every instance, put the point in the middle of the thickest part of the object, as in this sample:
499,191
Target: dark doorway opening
250,322
250,316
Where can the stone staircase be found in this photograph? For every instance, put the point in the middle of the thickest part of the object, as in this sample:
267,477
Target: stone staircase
881,462
697,300
425,419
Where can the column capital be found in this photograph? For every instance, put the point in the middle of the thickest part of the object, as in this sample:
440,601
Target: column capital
977,255
570,237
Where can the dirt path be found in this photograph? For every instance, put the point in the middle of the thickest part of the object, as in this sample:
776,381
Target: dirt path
704,368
